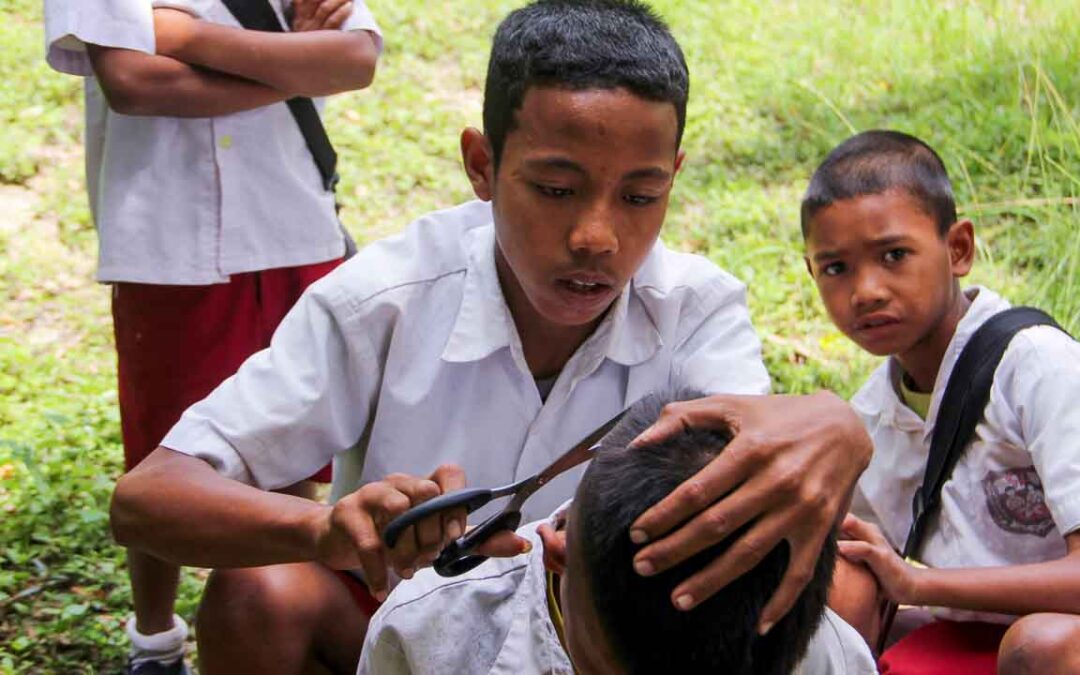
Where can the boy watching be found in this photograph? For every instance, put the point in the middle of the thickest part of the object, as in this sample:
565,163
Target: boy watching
489,336
591,613
210,211
886,251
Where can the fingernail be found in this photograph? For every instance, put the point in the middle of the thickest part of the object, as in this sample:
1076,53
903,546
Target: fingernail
644,568
526,547
379,595
407,573
765,628
454,530
684,602
638,536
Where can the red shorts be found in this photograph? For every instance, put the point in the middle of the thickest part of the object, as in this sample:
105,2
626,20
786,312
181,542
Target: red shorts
359,592
175,344
970,648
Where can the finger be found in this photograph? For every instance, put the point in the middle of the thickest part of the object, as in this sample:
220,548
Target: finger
719,477
857,528
743,555
325,9
554,543
339,17
450,477
385,500
800,571
504,544
706,529
855,551
369,547
683,415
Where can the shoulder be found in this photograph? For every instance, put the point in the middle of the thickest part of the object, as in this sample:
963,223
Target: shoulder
72,24
434,249
673,276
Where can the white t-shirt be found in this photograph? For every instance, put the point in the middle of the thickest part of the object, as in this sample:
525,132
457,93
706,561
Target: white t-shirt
191,200
406,357
494,619
1015,492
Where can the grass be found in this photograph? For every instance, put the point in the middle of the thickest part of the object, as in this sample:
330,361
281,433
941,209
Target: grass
992,85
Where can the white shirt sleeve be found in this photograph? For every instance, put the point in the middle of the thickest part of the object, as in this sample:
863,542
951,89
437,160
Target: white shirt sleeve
362,19
70,25
723,353
1043,391
291,407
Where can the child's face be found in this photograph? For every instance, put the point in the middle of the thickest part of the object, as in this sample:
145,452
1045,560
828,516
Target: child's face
580,194
886,275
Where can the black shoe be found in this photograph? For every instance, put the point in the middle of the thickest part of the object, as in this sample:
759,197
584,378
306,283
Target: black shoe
177,667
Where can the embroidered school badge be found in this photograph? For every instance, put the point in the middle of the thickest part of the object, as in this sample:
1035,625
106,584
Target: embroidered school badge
1015,500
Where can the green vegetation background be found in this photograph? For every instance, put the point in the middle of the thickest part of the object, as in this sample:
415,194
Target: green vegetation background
993,85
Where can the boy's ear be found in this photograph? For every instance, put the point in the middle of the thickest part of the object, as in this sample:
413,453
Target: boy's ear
961,242
680,157
554,548
479,161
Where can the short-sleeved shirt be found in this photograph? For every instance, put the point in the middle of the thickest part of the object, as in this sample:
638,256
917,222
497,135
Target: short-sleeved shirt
406,357
494,620
191,200
1015,492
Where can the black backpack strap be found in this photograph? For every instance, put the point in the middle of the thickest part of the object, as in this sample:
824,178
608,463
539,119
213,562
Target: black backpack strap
259,15
962,406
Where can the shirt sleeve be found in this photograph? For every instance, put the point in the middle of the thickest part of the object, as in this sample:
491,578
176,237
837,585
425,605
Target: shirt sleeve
289,408
70,25
721,353
1042,389
362,19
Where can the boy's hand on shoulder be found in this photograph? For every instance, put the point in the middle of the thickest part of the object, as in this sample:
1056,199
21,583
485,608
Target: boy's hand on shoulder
351,536
866,544
173,31
320,14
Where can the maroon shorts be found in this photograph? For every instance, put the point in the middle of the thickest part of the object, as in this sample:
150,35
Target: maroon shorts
970,648
359,592
175,344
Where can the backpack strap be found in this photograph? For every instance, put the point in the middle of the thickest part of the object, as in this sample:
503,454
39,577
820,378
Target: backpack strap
962,407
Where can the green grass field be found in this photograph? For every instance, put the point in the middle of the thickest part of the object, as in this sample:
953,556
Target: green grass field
993,85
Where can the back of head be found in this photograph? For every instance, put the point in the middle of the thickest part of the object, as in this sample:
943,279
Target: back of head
645,631
875,162
578,45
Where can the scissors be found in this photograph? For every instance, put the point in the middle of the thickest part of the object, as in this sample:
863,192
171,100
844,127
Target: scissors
458,557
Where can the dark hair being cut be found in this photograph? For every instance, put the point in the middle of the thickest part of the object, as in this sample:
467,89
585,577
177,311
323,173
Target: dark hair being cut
578,45
875,162
645,631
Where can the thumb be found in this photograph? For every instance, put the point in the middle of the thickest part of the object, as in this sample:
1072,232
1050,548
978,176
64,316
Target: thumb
504,545
854,551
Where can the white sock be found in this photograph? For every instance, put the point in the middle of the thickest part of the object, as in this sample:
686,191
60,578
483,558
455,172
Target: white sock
165,647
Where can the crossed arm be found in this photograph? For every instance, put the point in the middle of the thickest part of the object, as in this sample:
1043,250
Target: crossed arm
203,69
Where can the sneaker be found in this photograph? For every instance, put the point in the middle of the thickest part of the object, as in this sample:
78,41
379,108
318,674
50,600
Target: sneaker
177,667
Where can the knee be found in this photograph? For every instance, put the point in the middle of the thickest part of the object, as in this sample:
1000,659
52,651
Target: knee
262,599
1041,643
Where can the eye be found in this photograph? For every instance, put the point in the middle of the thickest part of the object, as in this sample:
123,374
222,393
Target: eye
833,269
552,190
640,200
895,255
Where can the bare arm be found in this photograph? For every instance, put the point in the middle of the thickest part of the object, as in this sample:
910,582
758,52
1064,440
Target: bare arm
136,83
310,63
1052,586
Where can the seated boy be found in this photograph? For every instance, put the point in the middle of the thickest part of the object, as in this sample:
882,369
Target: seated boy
491,336
886,250
591,613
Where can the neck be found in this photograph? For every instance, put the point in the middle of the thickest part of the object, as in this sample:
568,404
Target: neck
547,346
923,360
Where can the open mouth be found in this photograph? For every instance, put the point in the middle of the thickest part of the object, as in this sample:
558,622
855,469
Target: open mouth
584,288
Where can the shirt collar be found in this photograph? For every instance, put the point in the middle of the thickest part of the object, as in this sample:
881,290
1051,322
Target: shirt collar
627,335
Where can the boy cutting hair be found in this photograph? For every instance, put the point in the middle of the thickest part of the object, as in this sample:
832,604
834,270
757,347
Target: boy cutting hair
886,251
590,613
485,338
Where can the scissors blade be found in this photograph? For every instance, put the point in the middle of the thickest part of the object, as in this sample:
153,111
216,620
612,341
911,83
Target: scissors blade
581,452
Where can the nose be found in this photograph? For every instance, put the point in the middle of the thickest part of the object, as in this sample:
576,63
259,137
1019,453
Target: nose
870,291
595,232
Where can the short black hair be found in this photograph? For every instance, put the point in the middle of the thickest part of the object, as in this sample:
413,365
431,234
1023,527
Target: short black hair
875,162
644,630
579,45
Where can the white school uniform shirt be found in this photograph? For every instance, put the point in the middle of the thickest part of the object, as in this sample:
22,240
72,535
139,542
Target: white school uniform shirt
192,200
406,357
1015,492
495,620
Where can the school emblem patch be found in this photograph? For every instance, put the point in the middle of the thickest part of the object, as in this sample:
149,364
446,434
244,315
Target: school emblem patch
1016,503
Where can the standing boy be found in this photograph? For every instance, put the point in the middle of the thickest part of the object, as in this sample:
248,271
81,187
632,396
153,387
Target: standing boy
211,214
886,251
492,335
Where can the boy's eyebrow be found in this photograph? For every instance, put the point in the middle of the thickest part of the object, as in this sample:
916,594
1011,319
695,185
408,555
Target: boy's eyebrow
880,242
569,165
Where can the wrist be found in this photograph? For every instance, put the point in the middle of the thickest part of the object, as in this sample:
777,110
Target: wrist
313,529
921,588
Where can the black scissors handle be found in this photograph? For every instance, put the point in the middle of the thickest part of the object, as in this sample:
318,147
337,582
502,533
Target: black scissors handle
470,499
458,557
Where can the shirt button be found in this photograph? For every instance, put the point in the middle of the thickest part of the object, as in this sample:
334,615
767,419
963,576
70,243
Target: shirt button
225,142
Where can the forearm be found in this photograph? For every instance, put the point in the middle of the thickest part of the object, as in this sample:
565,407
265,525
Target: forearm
1052,586
311,63
143,84
179,509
